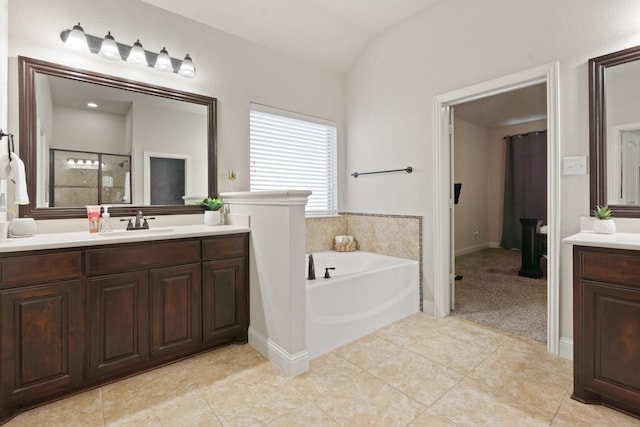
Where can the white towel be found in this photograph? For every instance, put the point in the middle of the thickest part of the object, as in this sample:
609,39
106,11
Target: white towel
13,170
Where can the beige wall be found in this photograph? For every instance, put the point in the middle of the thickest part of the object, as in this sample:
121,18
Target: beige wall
472,166
480,155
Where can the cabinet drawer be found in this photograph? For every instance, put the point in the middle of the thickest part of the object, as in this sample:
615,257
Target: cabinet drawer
41,268
225,247
141,256
610,266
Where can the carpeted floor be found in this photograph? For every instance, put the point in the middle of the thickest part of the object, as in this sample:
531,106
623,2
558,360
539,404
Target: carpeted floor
492,293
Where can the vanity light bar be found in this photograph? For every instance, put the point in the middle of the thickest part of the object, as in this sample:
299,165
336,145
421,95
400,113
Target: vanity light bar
77,39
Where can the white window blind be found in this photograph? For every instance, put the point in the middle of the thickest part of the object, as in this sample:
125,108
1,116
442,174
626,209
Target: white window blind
294,152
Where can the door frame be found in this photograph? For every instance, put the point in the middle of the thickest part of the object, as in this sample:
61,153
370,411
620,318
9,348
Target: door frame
441,244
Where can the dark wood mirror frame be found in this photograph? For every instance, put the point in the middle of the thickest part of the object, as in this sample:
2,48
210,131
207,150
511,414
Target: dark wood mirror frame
27,69
598,130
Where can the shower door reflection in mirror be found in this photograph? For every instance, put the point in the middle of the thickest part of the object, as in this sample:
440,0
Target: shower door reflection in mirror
81,178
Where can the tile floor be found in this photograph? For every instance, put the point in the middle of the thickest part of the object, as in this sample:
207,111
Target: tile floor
419,371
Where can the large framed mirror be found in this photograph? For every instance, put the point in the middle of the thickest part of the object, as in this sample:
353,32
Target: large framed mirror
126,118
614,132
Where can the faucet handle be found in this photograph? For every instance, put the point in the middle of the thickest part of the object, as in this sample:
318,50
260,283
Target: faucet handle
129,223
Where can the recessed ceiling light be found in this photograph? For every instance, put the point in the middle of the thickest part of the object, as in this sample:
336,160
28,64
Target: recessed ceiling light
92,105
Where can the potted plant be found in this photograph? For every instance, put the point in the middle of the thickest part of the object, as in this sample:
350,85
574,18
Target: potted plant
603,223
212,207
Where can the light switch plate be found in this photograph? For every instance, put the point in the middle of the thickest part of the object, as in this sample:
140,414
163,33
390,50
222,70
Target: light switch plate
574,165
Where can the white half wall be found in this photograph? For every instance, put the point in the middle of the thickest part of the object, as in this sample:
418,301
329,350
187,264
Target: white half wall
277,304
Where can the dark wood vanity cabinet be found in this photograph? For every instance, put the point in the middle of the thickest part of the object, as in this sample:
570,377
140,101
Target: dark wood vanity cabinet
42,326
76,318
117,324
606,303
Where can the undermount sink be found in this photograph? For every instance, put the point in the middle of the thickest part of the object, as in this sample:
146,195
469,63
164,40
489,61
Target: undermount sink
159,230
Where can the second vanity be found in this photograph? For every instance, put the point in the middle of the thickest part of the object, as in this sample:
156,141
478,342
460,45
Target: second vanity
606,319
79,310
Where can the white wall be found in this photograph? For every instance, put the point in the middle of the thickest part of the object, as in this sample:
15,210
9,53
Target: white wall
72,127
4,49
170,132
233,70
452,45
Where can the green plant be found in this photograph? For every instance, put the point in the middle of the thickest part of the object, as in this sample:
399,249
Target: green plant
602,212
211,204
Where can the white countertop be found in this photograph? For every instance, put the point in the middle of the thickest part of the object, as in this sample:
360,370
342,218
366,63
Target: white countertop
618,240
84,238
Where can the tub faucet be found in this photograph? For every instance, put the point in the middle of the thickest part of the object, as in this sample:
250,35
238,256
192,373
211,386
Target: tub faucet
311,274
326,272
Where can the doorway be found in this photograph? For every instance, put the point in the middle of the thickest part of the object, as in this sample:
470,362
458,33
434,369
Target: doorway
496,137
442,246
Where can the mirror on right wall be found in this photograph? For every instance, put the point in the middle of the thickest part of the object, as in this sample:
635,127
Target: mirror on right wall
614,131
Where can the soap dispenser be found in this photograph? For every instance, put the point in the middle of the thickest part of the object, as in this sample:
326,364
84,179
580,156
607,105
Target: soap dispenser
105,221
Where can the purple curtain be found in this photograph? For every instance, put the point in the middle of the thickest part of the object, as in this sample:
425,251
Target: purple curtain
525,184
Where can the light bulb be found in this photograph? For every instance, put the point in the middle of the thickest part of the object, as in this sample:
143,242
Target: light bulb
71,162
163,63
76,39
186,68
137,55
109,48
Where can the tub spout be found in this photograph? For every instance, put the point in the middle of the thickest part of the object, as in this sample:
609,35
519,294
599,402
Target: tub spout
326,272
311,275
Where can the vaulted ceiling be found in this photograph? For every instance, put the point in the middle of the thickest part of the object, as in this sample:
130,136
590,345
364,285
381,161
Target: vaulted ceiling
329,33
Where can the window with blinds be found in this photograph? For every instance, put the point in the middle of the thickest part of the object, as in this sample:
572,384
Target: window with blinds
289,151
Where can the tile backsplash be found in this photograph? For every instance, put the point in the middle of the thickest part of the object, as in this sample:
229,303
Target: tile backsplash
394,235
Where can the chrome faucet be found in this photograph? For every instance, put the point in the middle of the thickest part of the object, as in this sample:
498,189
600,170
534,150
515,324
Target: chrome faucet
139,218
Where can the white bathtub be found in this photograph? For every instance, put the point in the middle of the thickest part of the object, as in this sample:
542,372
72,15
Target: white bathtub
366,291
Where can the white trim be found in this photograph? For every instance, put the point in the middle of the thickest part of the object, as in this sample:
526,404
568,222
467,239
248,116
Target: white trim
290,364
267,197
548,74
566,348
147,171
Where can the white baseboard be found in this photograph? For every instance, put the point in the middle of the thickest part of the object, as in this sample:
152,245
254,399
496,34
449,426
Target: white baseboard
565,348
290,364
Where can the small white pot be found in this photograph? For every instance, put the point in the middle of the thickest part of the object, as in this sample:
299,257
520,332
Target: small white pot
604,226
212,218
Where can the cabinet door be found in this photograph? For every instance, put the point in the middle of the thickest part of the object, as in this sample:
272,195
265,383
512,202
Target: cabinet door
117,323
225,301
610,341
175,310
41,340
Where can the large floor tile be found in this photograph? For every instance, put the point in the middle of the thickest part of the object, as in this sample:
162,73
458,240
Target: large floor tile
82,410
451,352
185,410
528,378
325,373
366,400
253,399
430,419
472,403
419,378
368,351
308,415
